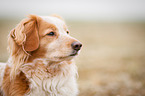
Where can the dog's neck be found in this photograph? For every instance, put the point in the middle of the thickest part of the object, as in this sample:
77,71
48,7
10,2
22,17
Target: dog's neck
44,68
44,76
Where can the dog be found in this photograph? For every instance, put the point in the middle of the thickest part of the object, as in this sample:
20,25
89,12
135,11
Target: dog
41,59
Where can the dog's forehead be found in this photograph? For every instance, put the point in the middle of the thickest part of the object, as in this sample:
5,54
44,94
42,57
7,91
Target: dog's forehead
55,21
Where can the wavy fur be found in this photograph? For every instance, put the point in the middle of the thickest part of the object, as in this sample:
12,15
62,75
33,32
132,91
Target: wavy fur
39,63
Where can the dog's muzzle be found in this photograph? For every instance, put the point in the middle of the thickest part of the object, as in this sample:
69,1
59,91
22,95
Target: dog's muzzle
76,46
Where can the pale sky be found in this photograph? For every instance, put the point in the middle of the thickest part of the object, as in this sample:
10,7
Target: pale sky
76,9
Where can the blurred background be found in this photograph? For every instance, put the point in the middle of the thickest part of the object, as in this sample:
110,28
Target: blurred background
112,60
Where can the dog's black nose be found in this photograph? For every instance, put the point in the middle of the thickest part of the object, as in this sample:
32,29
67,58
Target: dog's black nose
76,45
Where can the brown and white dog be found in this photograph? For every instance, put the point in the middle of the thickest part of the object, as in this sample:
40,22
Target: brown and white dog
41,59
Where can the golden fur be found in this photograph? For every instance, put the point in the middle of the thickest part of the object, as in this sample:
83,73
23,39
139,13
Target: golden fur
36,59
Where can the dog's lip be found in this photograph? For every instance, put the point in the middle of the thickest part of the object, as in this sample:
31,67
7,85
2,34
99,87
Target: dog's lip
74,53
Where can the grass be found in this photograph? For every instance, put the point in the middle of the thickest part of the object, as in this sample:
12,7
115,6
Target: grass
112,59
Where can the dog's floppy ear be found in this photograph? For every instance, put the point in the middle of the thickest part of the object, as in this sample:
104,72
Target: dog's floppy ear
31,31
26,33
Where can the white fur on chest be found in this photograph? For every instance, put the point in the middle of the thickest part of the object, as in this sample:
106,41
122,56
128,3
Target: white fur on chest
63,84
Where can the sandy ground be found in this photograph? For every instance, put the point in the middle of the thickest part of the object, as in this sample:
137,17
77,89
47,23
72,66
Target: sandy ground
112,60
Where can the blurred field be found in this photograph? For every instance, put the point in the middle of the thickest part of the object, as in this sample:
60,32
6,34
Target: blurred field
112,60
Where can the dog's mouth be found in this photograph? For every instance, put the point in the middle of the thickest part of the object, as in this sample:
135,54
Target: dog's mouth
74,53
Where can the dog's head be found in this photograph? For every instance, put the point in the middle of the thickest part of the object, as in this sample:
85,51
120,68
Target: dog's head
44,37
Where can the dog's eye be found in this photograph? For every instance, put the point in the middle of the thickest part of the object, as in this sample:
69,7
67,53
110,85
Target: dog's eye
51,34
67,32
